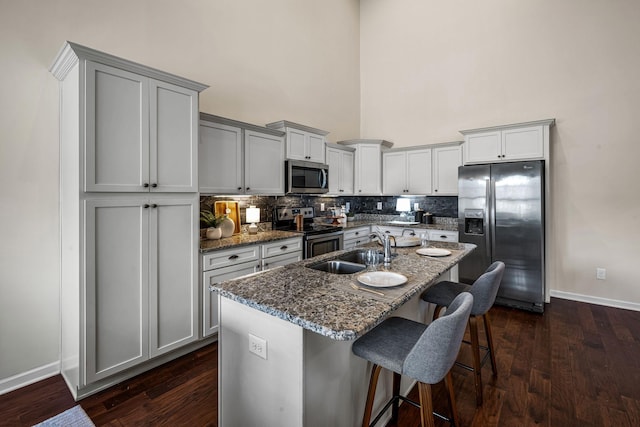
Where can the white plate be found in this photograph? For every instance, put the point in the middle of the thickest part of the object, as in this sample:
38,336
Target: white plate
433,252
382,279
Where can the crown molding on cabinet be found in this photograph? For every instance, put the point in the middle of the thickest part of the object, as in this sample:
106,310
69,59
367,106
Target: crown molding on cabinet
71,53
287,124
545,122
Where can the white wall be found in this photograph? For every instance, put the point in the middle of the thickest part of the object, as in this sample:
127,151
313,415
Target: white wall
265,61
432,68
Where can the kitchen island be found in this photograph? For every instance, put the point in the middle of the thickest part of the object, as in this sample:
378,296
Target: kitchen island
285,339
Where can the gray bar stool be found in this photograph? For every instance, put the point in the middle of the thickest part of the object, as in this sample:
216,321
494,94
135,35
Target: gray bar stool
424,353
484,291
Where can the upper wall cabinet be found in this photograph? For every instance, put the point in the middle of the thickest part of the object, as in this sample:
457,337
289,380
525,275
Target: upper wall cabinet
340,161
406,171
239,158
446,160
368,165
139,127
522,141
303,142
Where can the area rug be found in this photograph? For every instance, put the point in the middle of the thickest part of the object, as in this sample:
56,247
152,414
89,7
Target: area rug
74,417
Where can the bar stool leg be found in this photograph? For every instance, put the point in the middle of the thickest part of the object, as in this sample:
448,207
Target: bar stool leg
426,405
475,349
448,382
487,328
373,383
396,392
436,311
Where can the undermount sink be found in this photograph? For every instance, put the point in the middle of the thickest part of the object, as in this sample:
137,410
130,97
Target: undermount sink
359,256
338,267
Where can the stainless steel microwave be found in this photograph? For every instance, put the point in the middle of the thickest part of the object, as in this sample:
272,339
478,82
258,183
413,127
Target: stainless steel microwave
306,177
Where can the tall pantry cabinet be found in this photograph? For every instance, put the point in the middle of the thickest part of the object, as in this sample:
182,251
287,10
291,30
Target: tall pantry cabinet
129,210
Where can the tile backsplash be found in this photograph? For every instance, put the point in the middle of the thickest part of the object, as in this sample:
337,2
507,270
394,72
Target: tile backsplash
441,206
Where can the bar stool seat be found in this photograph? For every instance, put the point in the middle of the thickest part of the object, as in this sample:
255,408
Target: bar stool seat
424,353
484,291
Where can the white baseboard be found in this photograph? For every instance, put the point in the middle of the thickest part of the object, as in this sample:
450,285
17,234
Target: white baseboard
596,300
24,379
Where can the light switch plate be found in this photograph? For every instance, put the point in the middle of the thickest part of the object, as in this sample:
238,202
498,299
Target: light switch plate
379,206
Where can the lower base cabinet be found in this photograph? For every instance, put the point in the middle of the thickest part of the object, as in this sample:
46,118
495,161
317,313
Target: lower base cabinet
355,237
219,266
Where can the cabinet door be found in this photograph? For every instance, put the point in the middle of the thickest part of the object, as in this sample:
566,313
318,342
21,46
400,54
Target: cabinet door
346,176
446,161
394,173
296,144
173,138
523,143
315,148
263,164
210,299
484,147
117,130
116,294
173,274
334,160
220,168
419,171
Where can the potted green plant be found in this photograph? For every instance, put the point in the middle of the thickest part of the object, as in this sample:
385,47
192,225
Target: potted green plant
211,222
350,216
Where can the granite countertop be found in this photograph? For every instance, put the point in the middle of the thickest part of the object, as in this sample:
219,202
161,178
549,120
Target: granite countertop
245,239
326,303
363,223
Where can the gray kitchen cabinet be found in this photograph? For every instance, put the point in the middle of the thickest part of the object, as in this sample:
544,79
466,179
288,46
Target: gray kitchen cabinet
302,142
340,161
141,301
239,158
446,160
129,265
354,237
406,171
141,133
367,165
227,264
521,141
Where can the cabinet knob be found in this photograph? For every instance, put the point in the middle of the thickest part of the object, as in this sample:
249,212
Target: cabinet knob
239,188
282,248
154,205
154,185
233,257
436,190
248,188
146,206
359,191
145,185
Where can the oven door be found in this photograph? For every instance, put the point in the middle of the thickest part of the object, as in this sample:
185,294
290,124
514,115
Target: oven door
318,244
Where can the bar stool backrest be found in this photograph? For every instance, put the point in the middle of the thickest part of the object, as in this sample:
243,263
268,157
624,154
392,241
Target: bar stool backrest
485,288
435,352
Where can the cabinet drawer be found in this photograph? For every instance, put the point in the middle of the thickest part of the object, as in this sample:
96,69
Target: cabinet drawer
281,247
278,260
357,233
229,257
443,236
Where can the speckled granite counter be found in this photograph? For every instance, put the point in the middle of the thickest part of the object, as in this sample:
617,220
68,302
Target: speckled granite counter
363,223
245,239
326,303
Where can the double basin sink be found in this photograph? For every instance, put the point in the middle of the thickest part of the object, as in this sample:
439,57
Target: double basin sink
347,263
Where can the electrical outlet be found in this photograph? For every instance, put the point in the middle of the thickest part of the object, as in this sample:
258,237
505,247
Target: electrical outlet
347,206
258,346
601,273
416,206
379,206
322,207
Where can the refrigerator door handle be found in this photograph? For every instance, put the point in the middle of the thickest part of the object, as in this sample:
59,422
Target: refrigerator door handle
490,217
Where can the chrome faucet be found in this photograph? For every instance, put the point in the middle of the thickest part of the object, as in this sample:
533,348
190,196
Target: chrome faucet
386,243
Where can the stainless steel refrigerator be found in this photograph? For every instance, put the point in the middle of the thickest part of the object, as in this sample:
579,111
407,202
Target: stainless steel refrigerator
501,211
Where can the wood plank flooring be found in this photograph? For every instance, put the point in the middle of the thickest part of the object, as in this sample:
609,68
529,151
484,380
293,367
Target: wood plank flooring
576,365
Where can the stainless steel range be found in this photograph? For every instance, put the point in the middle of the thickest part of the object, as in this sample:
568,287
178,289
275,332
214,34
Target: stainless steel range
318,239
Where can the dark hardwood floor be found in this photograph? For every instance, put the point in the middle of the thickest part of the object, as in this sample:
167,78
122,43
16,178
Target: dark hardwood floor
576,365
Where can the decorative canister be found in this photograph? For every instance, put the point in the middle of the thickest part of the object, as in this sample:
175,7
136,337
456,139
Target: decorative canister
214,233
